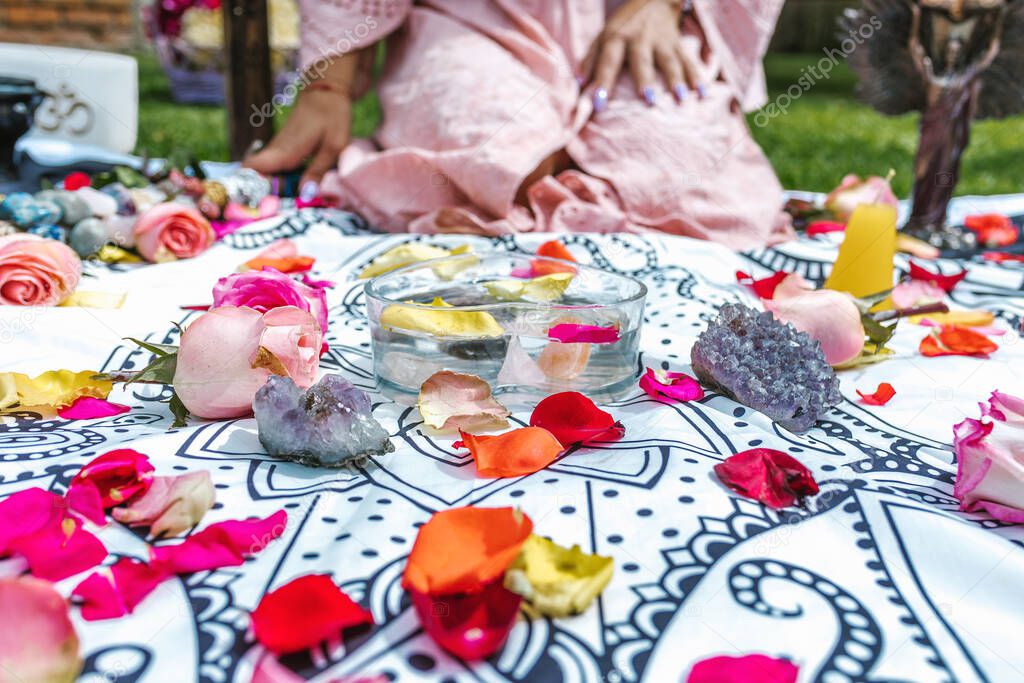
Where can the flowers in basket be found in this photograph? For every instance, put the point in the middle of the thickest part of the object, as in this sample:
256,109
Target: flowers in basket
189,39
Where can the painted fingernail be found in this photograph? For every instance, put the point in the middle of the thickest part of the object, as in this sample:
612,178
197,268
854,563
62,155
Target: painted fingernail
702,91
600,100
309,190
648,92
680,91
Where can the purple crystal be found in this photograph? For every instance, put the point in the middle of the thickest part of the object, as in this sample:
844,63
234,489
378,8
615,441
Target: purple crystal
767,365
328,425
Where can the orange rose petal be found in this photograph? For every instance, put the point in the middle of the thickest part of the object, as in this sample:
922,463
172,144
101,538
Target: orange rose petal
954,340
462,549
552,249
522,451
287,264
882,395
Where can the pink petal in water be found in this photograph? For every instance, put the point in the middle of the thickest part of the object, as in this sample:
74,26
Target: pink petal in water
568,333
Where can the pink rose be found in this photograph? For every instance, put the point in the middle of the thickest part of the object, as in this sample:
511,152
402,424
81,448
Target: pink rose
267,289
853,191
170,231
990,459
830,317
35,271
228,353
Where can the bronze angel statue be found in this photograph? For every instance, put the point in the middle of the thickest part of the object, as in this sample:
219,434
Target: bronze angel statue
952,60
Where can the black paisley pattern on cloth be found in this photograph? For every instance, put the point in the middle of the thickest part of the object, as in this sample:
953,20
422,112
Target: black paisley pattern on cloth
879,578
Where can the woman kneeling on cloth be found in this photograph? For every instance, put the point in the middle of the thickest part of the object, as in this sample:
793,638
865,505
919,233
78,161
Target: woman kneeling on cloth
504,116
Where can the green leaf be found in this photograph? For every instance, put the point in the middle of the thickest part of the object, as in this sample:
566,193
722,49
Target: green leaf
160,370
158,349
179,411
866,303
877,333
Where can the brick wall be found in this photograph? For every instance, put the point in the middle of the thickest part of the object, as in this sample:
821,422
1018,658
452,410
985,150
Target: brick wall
98,24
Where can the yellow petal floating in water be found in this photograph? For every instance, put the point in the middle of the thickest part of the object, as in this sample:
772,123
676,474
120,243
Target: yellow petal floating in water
963,318
557,581
55,389
415,252
543,288
440,322
447,271
96,299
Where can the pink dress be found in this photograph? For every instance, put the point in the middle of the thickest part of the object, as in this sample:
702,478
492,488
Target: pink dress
477,93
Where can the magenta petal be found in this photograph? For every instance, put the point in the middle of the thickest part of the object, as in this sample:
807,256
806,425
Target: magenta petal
748,669
469,625
59,550
114,591
89,408
679,386
85,499
568,333
27,512
224,544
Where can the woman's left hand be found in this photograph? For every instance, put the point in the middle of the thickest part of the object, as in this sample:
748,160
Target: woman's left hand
646,33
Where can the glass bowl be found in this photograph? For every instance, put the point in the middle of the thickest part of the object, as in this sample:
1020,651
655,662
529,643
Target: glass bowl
522,323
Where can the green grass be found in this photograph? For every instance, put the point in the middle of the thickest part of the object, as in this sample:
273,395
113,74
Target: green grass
822,135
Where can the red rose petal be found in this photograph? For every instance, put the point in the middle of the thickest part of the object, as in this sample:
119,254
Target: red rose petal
89,408
883,394
469,625
119,475
114,591
823,227
775,478
76,180
224,544
574,418
747,669
1002,257
765,287
945,282
993,229
680,386
304,612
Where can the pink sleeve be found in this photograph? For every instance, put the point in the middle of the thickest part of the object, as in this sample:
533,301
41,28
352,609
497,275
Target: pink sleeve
333,27
738,32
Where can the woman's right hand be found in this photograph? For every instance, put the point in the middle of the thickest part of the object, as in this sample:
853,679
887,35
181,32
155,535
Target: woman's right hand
319,126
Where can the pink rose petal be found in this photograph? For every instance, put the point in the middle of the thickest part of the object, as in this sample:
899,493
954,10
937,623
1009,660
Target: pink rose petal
910,293
85,500
89,408
568,333
172,505
118,475
60,549
114,591
37,639
830,317
990,473
747,669
674,385
224,544
824,227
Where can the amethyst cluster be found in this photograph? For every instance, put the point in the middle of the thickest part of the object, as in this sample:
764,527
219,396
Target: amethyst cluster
328,425
766,365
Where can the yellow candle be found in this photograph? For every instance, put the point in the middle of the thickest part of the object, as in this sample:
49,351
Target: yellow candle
865,262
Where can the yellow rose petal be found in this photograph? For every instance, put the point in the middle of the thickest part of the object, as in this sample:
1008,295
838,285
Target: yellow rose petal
439,322
963,318
96,299
111,253
558,581
402,255
543,288
56,388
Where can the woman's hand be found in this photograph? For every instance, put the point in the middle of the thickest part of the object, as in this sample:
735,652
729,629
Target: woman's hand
646,33
319,126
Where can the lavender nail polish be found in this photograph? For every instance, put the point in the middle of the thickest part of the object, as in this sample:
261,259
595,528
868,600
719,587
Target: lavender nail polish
648,92
600,100
680,91
702,91
309,190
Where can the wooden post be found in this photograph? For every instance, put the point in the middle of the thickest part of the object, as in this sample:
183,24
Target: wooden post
249,87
